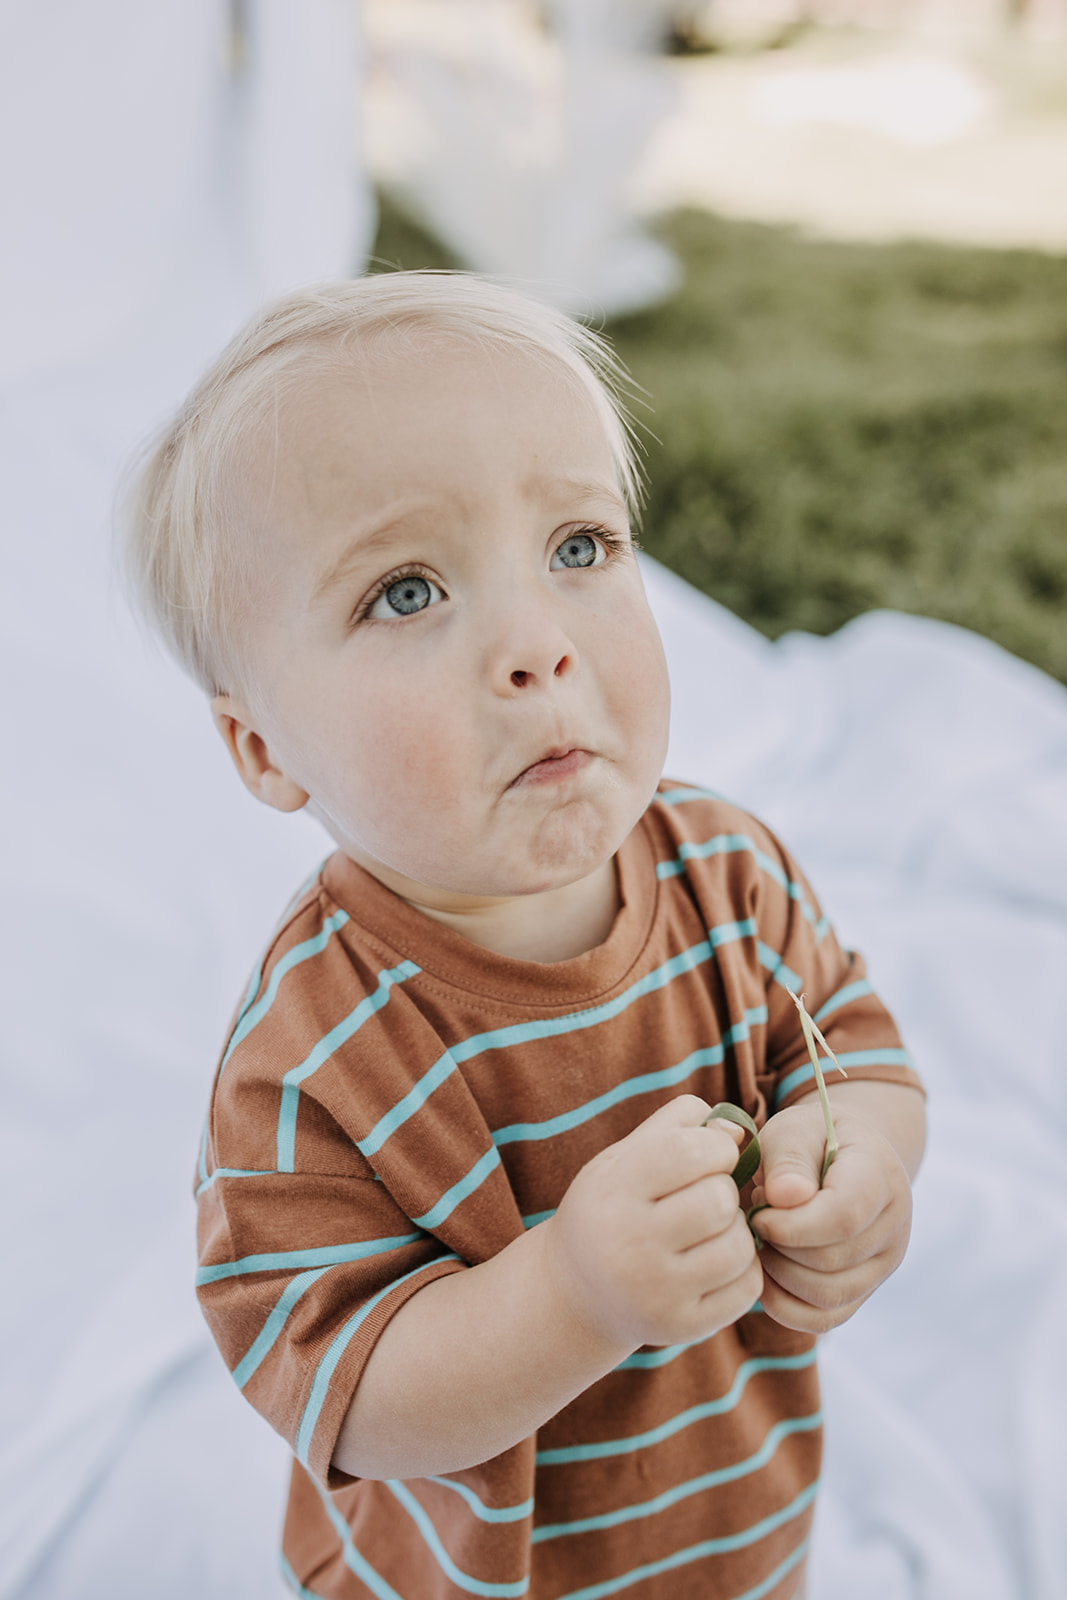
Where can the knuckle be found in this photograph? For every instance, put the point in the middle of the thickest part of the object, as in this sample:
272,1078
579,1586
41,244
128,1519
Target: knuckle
722,1201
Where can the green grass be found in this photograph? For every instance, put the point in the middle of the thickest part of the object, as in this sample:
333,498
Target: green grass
843,427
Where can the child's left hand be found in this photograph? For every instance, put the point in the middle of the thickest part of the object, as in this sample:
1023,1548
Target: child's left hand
826,1250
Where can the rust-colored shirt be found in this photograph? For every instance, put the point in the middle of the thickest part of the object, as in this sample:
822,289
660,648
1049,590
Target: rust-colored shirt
395,1103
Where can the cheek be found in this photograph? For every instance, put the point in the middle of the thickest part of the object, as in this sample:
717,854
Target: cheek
639,686
404,750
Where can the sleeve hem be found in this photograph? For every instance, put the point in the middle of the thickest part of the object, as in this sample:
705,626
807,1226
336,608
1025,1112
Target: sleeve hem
340,1368
797,1085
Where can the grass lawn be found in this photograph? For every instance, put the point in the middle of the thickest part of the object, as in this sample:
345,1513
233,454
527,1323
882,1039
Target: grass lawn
840,427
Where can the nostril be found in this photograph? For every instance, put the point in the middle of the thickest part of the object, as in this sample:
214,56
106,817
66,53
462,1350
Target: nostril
561,666
518,678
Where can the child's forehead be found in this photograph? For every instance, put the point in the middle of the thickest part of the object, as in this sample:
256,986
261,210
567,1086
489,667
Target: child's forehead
407,401
400,431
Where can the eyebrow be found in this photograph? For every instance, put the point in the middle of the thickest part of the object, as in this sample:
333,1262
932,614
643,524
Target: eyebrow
362,547
587,489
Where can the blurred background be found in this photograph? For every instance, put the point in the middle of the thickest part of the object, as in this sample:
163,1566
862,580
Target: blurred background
854,355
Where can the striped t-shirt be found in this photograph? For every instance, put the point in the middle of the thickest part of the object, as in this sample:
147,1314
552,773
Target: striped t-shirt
395,1103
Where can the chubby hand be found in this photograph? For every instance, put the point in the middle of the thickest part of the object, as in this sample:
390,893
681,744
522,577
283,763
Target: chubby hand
650,1244
825,1250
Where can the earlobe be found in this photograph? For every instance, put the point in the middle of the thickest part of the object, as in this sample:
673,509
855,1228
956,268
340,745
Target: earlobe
251,755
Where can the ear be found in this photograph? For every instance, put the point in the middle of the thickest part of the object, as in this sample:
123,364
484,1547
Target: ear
249,752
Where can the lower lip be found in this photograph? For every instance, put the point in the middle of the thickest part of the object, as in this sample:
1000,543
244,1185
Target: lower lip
555,769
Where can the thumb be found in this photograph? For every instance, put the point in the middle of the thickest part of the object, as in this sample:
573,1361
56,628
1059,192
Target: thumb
792,1158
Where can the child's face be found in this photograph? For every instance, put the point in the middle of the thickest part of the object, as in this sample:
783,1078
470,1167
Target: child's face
457,659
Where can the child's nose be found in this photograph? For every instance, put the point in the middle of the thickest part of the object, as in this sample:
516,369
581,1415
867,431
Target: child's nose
521,676
529,648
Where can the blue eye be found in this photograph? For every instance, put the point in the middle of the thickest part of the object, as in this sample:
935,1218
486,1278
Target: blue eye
577,550
404,596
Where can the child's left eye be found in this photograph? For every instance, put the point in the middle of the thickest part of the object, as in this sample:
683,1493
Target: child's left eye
577,550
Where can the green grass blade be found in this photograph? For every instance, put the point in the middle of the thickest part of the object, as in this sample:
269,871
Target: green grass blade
751,1155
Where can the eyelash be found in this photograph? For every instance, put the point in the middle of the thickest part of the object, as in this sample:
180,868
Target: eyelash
614,545
413,570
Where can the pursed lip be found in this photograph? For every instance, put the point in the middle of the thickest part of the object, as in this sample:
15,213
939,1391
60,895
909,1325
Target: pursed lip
557,764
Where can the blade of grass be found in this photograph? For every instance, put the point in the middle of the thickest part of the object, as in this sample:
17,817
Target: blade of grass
749,1159
811,1033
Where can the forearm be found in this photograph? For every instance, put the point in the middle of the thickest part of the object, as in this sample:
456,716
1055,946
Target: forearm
896,1110
471,1365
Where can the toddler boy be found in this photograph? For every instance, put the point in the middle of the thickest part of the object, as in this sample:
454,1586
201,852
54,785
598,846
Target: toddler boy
465,1240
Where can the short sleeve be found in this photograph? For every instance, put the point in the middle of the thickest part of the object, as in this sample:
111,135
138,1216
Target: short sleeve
299,1274
800,954
304,1253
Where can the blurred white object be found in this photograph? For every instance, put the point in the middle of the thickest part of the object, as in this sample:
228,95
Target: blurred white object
299,70
515,145
153,178
916,100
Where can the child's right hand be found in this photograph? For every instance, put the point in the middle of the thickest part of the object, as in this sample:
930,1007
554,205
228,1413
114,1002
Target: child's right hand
649,1243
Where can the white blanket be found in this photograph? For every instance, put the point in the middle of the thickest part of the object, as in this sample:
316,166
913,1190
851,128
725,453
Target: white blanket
919,773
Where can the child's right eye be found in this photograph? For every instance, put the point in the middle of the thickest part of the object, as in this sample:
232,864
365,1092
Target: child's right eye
402,596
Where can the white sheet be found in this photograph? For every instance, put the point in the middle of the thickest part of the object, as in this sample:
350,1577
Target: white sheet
919,772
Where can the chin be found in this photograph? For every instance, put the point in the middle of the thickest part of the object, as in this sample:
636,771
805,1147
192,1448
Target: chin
570,847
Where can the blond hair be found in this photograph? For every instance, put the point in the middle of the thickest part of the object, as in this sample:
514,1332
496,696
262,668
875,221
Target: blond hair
185,576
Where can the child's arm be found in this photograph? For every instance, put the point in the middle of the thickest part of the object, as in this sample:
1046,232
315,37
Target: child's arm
649,1246
826,1250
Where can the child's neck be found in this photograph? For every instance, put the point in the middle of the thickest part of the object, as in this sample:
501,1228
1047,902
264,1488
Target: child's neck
553,926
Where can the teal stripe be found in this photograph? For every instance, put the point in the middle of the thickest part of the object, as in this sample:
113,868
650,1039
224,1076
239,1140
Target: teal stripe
647,1359
542,1028
483,1512
846,1059
772,961
459,1191
413,1101
234,1172
874,1058
822,928
532,1218
290,1577
782,1570
685,1419
645,1083
683,1491
843,997
731,844
727,932
329,1255
696,1552
273,1326
328,1365
720,844
322,1052
250,1018
463,1580
799,1076
678,797
353,1559
775,870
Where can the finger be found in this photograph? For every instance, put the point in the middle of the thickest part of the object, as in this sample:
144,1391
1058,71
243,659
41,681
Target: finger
716,1263
840,1255
850,1201
791,1168
834,1292
672,1148
700,1211
800,1315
